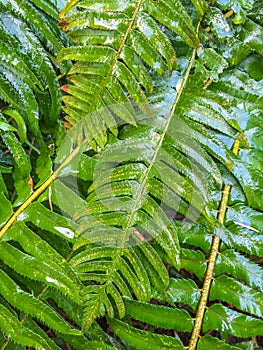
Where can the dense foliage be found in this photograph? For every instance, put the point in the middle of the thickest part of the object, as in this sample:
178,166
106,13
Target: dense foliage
131,174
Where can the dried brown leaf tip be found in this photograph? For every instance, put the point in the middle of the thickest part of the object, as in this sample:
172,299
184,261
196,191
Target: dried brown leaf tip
63,24
65,87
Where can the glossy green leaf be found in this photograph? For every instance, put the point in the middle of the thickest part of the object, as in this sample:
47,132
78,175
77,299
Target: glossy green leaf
251,35
49,8
194,235
39,270
11,326
31,305
129,36
246,240
201,6
41,217
218,23
22,167
144,340
237,265
20,123
245,217
253,65
233,292
30,65
6,208
125,230
193,261
159,316
183,291
227,321
209,342
34,18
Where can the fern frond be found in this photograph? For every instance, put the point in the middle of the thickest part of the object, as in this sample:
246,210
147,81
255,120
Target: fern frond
155,226
121,212
122,209
144,340
28,68
241,325
50,273
209,342
36,280
32,306
29,93
224,101
181,291
119,40
159,316
21,164
11,327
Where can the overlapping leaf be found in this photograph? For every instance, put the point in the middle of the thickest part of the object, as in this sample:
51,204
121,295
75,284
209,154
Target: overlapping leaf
122,210
124,247
29,91
117,42
28,80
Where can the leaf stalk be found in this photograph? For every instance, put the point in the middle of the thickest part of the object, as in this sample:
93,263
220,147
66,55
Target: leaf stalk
37,193
211,263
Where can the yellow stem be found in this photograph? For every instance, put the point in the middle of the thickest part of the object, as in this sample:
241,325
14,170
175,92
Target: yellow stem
36,194
228,14
211,264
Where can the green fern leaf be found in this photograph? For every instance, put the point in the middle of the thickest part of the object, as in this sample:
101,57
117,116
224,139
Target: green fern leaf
34,72
233,292
22,166
254,41
152,263
20,334
181,291
159,316
209,342
144,340
43,218
244,239
49,8
158,207
97,224
219,25
118,39
241,325
30,14
49,273
32,306
235,264
33,326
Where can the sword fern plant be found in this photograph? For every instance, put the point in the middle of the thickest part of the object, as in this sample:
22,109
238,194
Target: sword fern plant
131,207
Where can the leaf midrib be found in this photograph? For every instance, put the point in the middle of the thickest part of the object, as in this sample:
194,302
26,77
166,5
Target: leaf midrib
117,256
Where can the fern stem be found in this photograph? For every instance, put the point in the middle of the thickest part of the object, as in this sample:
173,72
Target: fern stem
144,179
147,172
37,193
171,114
4,345
211,263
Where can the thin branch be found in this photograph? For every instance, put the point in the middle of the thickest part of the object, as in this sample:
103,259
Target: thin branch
211,264
37,193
